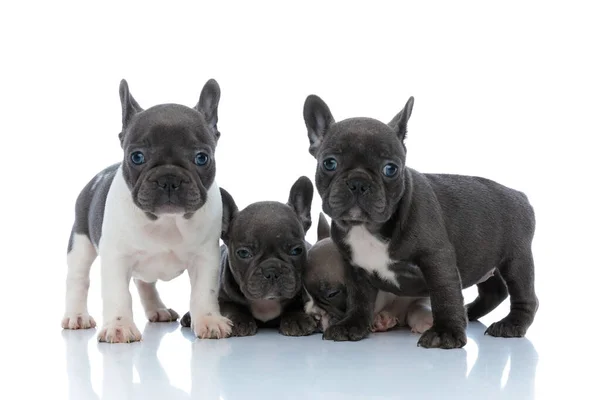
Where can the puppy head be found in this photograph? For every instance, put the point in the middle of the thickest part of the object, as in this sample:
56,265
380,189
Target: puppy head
361,163
324,283
168,152
266,245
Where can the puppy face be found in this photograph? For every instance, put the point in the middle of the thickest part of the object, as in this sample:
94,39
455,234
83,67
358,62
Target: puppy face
361,161
168,152
266,246
325,289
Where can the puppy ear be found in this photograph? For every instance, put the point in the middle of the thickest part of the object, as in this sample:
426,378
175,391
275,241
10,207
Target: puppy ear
400,121
318,119
300,200
129,107
208,105
229,212
323,230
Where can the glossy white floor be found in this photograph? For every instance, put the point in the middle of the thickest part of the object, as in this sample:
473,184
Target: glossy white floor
557,358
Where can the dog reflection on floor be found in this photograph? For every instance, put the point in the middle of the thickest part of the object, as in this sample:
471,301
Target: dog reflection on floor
269,364
119,361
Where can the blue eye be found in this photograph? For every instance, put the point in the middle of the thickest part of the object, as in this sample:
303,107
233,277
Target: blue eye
201,159
137,157
330,164
390,170
296,251
243,253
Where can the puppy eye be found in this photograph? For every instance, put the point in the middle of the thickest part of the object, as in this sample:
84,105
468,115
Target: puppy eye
332,294
296,251
330,164
390,170
137,157
201,159
243,253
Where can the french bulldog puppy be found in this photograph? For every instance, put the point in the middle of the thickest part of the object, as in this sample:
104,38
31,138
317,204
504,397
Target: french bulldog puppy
152,216
326,293
262,260
386,216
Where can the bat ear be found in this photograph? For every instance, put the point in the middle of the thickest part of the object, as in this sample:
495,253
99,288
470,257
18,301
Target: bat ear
208,105
400,121
300,199
318,119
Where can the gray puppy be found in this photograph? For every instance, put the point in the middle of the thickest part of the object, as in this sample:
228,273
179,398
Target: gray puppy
326,294
386,216
262,263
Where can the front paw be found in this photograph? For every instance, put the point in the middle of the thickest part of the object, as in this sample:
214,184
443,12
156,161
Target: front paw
162,315
347,330
119,330
443,338
383,322
506,328
297,324
243,327
78,321
211,326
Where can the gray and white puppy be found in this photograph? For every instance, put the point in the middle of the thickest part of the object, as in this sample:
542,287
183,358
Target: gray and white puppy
386,216
151,217
262,262
326,293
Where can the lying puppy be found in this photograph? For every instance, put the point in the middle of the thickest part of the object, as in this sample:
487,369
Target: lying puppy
326,294
151,217
386,216
262,262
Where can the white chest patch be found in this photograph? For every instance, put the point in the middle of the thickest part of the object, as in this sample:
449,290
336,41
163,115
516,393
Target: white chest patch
370,253
265,310
162,266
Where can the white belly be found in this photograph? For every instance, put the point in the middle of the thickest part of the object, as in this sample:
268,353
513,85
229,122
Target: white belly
159,266
370,253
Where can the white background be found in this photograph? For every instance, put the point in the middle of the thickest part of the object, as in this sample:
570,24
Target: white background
506,90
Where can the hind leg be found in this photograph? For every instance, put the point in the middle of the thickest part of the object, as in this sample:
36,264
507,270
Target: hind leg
80,257
492,292
519,276
154,308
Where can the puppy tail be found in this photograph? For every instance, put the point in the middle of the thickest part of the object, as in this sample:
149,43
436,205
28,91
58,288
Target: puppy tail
323,230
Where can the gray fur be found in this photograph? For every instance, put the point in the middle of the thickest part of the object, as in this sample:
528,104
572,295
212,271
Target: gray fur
454,228
169,135
269,230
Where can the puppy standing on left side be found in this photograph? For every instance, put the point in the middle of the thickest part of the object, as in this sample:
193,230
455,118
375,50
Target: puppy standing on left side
151,217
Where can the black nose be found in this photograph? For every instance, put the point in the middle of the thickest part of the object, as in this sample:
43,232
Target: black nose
271,273
169,182
358,185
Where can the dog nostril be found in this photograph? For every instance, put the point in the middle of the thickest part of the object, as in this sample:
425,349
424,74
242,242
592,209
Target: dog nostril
358,185
270,273
169,182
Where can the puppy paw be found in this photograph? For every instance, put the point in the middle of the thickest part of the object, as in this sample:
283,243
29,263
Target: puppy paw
243,327
344,331
505,328
297,324
162,315
383,322
186,320
211,327
119,330
78,321
443,338
422,325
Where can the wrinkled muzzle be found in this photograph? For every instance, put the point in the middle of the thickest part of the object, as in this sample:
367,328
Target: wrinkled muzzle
169,189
